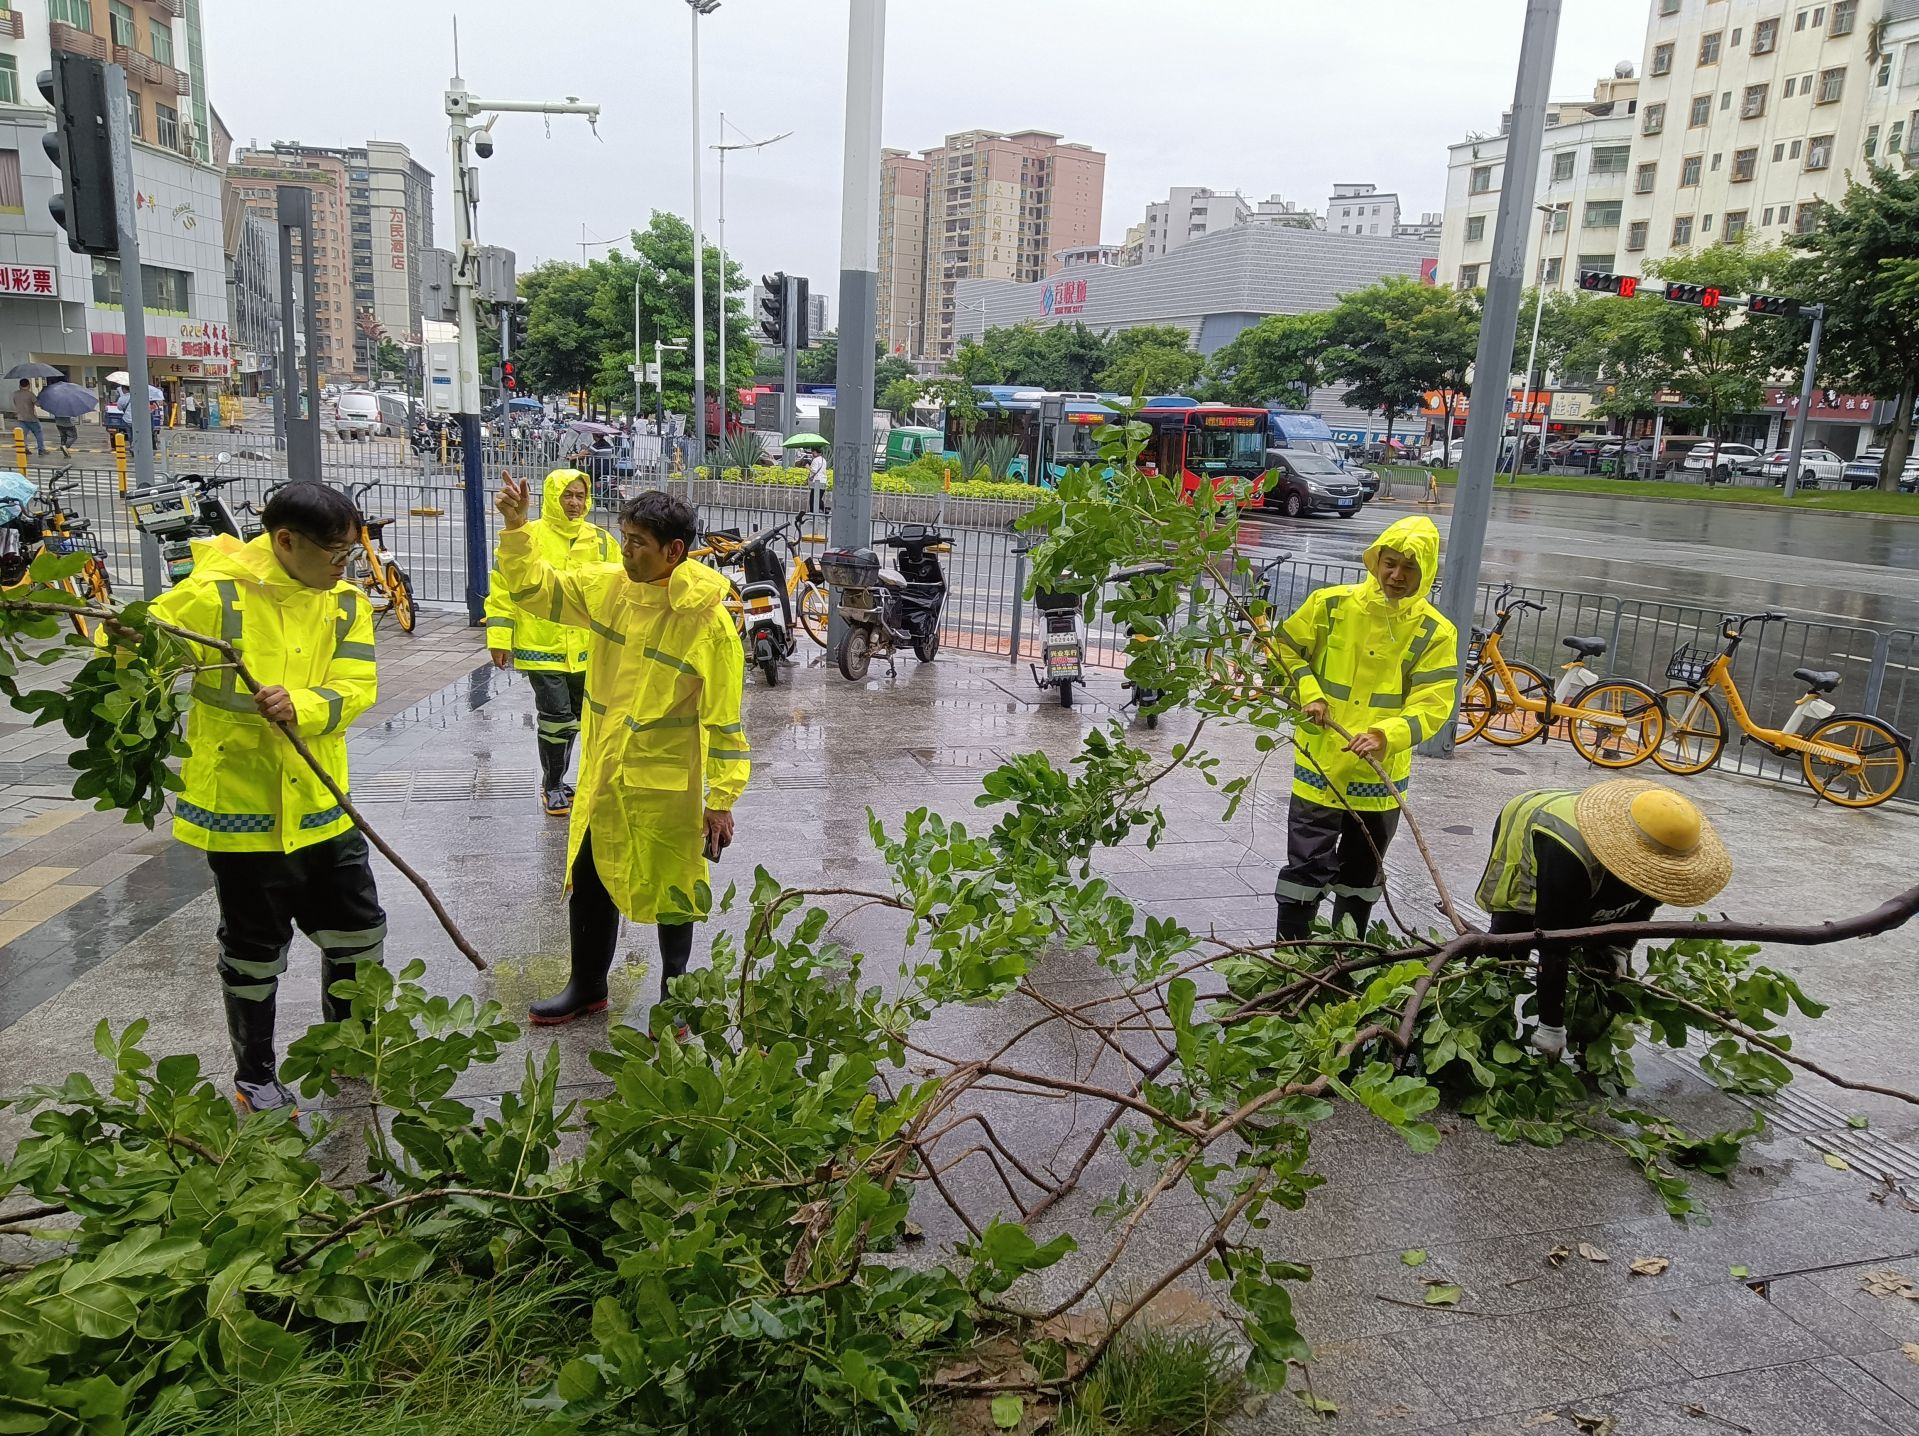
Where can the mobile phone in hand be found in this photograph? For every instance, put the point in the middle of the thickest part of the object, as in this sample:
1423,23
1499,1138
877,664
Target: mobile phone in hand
715,845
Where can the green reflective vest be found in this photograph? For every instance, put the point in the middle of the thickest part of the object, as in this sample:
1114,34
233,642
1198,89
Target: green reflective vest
1511,880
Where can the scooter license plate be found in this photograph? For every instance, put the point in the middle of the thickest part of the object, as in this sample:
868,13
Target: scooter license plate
1062,661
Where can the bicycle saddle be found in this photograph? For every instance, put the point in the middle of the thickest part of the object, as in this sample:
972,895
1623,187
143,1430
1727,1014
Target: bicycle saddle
1585,647
1480,635
374,526
1817,680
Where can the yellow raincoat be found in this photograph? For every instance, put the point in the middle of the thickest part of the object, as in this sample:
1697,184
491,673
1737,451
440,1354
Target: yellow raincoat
539,645
1377,664
246,790
663,739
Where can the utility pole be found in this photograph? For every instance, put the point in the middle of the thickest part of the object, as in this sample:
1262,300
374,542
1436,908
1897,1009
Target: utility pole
790,353
465,132
699,8
1499,323
1818,313
724,149
133,309
852,521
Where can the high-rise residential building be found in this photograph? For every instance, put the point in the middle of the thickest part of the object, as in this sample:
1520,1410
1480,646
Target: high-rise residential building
373,221
904,179
997,206
1187,213
1362,209
1579,197
1278,210
62,308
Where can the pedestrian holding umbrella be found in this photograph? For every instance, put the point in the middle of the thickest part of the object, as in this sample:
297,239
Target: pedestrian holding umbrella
67,402
33,371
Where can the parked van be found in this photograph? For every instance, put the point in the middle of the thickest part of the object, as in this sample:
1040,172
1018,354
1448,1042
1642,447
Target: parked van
356,414
909,442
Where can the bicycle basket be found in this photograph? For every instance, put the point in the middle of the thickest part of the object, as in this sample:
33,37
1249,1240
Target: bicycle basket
77,543
1689,664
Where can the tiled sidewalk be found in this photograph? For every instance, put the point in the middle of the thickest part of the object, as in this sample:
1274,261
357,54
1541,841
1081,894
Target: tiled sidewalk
1800,1348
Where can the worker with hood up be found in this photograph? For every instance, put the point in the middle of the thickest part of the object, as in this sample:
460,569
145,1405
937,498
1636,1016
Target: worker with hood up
551,654
1377,658
664,756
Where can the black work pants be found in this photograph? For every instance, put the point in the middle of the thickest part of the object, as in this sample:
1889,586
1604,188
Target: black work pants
1332,850
325,890
593,923
558,699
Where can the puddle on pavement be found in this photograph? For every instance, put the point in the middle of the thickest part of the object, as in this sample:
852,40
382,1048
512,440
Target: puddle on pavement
514,982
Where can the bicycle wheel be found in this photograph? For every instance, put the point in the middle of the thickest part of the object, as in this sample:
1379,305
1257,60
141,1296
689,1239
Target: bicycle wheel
813,610
1873,770
1695,733
1507,723
399,591
1476,706
1616,723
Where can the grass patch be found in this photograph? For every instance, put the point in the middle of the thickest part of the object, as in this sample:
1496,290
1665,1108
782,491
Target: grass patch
443,1359
1857,501
1157,1381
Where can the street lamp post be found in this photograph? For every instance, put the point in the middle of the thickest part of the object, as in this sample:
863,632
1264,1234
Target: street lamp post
726,385
659,391
698,8
1532,353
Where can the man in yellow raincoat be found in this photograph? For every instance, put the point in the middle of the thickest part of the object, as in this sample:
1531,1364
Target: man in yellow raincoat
1382,662
551,655
663,758
283,852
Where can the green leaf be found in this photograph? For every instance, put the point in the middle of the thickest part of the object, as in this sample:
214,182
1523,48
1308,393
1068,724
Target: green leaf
1318,1405
257,1352
1413,1258
1739,1273
1857,1123
1443,1293
1008,1411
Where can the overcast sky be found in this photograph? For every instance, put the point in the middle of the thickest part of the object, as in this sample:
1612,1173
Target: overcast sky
1254,95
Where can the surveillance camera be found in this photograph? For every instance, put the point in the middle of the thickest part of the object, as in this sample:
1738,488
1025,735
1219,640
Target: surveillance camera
483,146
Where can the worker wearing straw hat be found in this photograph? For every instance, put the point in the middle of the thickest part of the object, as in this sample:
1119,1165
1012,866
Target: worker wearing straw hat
1613,853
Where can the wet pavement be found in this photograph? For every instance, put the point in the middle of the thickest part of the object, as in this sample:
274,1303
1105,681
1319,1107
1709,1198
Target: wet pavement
1799,1347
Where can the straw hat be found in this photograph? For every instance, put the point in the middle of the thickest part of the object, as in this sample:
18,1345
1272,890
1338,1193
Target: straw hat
1651,838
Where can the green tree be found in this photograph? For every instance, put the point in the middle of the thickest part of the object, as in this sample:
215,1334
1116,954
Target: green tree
1396,340
1281,360
1067,357
1858,263
1154,359
389,360
821,363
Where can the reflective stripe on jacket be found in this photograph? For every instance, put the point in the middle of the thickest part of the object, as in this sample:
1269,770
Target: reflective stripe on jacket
538,643
1376,664
663,738
1511,880
246,790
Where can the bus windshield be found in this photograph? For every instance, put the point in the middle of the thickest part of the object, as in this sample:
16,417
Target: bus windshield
1226,450
1073,443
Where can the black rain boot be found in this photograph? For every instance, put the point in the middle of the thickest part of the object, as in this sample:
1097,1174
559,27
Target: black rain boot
1357,909
1296,920
566,758
585,992
256,1085
553,794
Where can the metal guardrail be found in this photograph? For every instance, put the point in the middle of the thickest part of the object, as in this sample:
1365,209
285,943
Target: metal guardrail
986,611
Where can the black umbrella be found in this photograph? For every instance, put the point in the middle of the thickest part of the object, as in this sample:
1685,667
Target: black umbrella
67,401
33,371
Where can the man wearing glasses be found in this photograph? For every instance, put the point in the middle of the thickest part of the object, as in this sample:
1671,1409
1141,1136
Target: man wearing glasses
283,852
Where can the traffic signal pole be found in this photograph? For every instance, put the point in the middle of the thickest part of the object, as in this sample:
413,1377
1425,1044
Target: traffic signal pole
1818,312
852,521
790,352
133,310
1499,325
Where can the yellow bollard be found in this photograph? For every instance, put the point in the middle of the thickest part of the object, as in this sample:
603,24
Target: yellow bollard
949,477
120,457
443,432
20,447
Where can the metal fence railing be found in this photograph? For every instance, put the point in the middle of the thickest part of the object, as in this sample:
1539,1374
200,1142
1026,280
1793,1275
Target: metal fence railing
986,611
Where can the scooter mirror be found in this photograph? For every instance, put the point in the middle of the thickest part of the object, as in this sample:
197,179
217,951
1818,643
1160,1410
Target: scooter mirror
223,457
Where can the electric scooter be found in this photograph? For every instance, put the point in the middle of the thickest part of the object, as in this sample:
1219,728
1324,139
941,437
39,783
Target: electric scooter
1145,700
178,509
766,626
888,608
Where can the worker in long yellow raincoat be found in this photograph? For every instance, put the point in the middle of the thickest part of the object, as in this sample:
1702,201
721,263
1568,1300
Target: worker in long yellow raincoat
663,756
551,655
282,851
1377,658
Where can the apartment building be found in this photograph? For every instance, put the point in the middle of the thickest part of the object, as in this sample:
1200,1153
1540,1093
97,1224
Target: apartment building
1362,209
904,181
1579,198
1750,115
1187,213
997,206
62,308
373,224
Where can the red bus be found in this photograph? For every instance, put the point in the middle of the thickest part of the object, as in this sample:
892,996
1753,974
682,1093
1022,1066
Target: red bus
1206,441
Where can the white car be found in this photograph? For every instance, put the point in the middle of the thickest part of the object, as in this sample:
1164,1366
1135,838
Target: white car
1442,454
1732,459
356,414
1816,467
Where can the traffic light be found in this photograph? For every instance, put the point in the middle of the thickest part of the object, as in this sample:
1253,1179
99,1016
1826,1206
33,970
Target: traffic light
1624,285
1773,304
802,319
79,146
508,379
773,307
1706,296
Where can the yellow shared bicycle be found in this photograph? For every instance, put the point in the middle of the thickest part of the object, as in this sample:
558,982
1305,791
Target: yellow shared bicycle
1852,759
